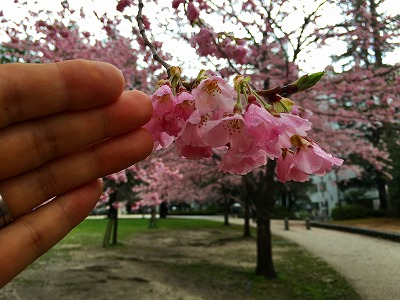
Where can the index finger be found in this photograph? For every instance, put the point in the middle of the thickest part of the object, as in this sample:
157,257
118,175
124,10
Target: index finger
29,91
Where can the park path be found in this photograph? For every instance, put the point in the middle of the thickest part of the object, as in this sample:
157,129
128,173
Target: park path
371,265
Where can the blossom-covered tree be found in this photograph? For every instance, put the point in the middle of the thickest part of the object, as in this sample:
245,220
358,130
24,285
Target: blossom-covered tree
250,125
361,103
44,36
158,182
118,194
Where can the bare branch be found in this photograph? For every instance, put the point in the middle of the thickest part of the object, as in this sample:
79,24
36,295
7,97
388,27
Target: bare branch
156,56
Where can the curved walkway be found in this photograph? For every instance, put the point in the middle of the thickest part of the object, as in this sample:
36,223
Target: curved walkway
371,265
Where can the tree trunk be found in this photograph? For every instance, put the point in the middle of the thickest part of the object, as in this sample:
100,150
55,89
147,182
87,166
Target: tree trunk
107,234
246,216
264,203
265,264
112,224
383,201
153,218
378,53
263,191
115,231
226,211
163,210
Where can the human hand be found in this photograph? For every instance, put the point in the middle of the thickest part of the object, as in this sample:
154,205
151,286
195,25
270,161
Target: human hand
62,126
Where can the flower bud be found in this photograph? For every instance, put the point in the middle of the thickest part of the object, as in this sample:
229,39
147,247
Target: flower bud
284,105
307,81
175,71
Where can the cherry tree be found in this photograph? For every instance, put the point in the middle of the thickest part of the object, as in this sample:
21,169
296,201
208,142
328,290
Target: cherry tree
240,111
118,194
251,122
158,182
360,102
44,36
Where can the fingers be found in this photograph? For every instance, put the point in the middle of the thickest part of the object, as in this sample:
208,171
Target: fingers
33,234
33,143
62,126
24,192
29,91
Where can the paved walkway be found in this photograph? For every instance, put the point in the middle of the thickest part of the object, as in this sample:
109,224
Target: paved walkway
371,265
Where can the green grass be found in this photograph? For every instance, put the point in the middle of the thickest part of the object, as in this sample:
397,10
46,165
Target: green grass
91,231
300,275
311,278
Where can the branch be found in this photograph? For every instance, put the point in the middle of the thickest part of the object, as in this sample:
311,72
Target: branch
224,54
286,90
156,56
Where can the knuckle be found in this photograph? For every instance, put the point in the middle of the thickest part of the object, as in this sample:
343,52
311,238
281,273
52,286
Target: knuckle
48,183
11,107
35,239
67,215
45,142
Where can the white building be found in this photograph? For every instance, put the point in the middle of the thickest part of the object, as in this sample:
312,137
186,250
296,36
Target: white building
327,195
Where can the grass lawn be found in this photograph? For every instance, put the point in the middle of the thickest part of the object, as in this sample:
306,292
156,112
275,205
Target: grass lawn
91,231
179,259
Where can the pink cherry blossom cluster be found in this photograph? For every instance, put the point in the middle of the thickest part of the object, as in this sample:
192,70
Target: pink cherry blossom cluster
243,128
204,42
157,184
148,200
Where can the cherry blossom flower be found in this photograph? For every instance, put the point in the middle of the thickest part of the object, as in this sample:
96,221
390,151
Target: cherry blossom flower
316,161
304,162
190,143
192,12
181,112
163,100
122,4
210,117
235,162
264,128
176,3
228,130
163,104
287,170
214,95
294,126
244,153
204,41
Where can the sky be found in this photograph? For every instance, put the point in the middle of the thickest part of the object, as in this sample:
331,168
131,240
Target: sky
313,60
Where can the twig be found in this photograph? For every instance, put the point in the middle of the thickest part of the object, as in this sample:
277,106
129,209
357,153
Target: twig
156,56
284,91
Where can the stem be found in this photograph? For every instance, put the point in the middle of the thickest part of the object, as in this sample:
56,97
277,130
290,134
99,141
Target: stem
286,90
156,56
255,93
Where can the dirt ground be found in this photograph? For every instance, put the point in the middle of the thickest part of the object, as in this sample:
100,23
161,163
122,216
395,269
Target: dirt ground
215,264
150,266
380,224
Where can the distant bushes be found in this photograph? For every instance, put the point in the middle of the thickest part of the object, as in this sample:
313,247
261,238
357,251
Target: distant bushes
348,212
280,212
380,213
192,212
352,211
